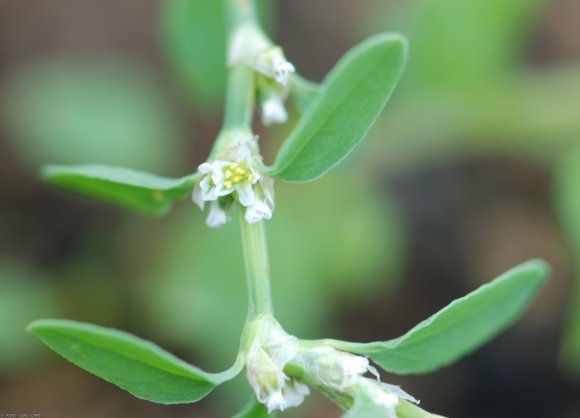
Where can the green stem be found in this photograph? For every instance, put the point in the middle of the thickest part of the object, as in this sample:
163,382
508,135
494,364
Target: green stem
240,12
238,115
239,98
257,268
239,106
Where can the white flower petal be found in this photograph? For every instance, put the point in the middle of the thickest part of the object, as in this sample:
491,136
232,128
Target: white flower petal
294,393
273,111
257,212
282,69
276,401
210,195
216,216
205,168
245,193
355,364
270,351
217,174
205,185
197,197
217,177
220,190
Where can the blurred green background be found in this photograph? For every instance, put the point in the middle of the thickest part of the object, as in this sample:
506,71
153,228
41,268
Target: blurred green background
472,168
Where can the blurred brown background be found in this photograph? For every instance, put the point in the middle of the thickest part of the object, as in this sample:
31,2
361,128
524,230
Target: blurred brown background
465,216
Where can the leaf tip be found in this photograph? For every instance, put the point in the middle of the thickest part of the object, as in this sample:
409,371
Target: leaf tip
35,327
541,267
41,326
394,39
47,172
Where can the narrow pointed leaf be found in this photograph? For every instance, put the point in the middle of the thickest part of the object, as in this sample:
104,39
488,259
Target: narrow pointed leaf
136,190
255,409
461,327
350,99
138,366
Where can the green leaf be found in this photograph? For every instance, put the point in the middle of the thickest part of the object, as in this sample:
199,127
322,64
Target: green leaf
131,189
461,327
138,366
351,97
255,409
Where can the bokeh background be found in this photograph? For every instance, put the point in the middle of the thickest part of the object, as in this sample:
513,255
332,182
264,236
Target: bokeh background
472,168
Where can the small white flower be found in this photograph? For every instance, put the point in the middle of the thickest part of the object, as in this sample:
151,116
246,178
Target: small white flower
249,45
272,63
212,185
234,178
336,369
291,394
294,393
257,212
217,216
273,111
274,401
282,69
268,355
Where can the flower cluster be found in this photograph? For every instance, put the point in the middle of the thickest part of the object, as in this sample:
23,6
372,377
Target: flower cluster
341,375
234,178
273,64
265,362
250,46
335,369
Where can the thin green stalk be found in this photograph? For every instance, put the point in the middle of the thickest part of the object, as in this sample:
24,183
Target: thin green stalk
240,12
239,98
257,268
240,91
238,115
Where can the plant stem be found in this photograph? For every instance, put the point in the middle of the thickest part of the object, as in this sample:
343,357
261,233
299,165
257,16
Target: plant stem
238,115
241,89
240,12
257,268
239,98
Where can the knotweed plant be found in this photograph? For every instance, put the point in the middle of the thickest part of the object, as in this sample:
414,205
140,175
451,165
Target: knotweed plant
282,369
